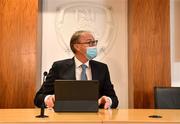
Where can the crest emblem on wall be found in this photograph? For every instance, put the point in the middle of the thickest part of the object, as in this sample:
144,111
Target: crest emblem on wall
85,16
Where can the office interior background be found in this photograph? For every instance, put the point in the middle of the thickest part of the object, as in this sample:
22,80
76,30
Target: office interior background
140,45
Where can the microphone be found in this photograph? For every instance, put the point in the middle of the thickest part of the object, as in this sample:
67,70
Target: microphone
43,105
44,76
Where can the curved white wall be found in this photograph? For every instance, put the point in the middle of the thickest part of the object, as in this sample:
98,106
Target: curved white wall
175,41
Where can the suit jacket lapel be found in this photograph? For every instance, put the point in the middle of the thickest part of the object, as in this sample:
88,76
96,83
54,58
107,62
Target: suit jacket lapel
69,72
93,70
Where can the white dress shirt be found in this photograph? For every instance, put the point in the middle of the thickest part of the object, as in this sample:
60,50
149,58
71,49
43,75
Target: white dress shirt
78,69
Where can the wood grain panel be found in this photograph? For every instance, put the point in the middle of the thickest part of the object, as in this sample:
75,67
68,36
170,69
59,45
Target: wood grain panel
149,50
18,30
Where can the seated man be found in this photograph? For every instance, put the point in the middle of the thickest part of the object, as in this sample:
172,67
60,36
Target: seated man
83,45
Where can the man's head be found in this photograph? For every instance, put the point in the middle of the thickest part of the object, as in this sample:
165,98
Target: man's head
83,44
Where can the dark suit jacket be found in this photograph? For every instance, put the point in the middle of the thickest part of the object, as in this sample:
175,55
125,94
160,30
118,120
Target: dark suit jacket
65,70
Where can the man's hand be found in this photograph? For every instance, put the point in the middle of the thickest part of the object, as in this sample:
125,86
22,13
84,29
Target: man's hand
106,101
49,101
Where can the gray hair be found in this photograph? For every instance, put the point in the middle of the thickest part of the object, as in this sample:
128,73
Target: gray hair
75,39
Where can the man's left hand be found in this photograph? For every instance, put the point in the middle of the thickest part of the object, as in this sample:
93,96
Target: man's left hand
106,101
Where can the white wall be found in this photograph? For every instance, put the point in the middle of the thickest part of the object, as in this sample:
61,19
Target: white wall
175,42
106,18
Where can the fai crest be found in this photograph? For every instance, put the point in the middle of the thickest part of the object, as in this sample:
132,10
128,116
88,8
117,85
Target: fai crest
86,16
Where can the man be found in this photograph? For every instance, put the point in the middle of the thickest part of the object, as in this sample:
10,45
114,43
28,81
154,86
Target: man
83,45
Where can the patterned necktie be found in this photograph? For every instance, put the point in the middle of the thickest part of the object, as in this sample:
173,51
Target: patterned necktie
83,74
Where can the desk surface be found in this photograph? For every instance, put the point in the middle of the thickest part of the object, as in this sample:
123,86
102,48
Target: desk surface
103,116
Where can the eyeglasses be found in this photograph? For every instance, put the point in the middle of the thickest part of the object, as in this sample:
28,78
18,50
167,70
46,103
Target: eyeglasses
90,43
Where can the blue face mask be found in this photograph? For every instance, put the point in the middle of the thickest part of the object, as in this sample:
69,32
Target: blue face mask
91,53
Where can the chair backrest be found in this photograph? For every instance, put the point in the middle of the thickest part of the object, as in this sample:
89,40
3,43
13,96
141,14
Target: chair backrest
167,97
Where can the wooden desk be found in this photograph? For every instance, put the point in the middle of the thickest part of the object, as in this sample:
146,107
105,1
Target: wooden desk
15,116
121,116
140,116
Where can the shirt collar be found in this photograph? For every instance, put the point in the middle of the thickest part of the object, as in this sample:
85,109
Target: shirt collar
79,63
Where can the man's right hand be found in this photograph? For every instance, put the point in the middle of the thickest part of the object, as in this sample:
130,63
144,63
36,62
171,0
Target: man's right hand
49,101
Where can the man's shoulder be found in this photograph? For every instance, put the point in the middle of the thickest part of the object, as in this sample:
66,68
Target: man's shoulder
64,61
98,63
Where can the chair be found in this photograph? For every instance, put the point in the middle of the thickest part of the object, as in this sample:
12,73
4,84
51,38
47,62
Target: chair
167,97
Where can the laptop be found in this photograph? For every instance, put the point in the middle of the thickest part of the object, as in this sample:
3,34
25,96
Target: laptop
76,95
